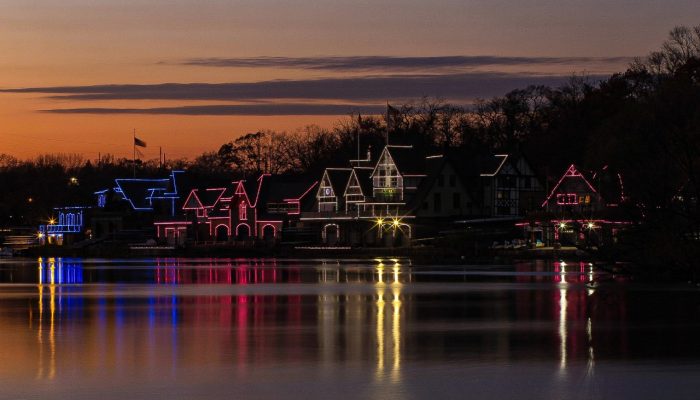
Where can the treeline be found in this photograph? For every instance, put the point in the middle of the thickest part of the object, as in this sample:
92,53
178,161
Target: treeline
643,123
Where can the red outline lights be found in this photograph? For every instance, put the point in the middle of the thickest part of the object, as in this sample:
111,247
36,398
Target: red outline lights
571,198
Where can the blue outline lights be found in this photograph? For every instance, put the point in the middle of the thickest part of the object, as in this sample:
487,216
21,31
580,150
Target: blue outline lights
102,198
141,192
70,220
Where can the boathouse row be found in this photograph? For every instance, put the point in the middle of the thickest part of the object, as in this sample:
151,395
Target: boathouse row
403,195
580,211
393,198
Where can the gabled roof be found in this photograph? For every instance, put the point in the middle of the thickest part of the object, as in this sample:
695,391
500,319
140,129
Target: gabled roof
491,165
253,187
192,202
210,197
364,179
434,167
572,175
338,178
407,160
239,188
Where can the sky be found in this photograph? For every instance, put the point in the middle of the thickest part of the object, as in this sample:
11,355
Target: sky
79,76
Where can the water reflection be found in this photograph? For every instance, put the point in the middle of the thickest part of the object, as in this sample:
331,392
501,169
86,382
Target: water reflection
237,319
388,340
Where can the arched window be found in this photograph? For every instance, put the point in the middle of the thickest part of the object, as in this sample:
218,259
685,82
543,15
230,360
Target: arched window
242,211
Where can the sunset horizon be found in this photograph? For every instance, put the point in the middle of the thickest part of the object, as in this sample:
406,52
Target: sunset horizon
83,76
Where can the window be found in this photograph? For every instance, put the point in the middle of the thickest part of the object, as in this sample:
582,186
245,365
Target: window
437,202
441,181
503,194
567,199
425,205
242,211
453,180
456,201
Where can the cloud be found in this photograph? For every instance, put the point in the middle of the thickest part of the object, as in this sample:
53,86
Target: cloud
462,87
387,63
238,109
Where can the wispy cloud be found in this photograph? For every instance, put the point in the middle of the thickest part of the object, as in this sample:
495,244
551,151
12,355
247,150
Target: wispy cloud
238,109
387,63
462,87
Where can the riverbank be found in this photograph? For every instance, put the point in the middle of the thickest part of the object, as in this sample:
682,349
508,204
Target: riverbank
419,253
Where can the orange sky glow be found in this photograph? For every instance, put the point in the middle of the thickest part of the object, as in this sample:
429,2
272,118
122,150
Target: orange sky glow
292,54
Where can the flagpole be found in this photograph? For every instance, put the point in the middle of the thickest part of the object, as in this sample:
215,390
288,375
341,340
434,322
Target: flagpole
388,123
133,143
359,127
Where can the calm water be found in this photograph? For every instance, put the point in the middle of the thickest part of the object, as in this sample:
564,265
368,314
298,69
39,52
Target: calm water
347,329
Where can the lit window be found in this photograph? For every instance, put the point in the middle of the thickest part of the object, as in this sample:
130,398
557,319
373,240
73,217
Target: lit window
567,199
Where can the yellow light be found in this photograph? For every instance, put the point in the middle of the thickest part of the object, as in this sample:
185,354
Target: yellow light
562,225
380,221
73,180
591,225
52,221
395,222
40,235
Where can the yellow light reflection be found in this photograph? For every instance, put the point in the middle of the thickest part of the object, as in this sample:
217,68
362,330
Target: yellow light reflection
380,331
52,319
380,273
396,334
389,343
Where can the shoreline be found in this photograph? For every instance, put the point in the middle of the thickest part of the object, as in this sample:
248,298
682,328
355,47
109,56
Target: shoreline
423,253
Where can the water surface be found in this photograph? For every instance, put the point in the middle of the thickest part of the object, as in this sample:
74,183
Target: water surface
341,329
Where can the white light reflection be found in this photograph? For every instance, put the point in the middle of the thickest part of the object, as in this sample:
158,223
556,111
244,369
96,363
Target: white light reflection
563,305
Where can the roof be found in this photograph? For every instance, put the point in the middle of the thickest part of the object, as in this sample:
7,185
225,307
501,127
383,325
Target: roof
140,192
339,179
491,165
407,160
434,167
364,177
572,181
210,197
251,188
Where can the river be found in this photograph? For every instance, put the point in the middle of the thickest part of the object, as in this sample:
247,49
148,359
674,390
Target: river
220,328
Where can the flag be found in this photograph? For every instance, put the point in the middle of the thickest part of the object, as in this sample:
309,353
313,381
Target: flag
139,142
392,114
